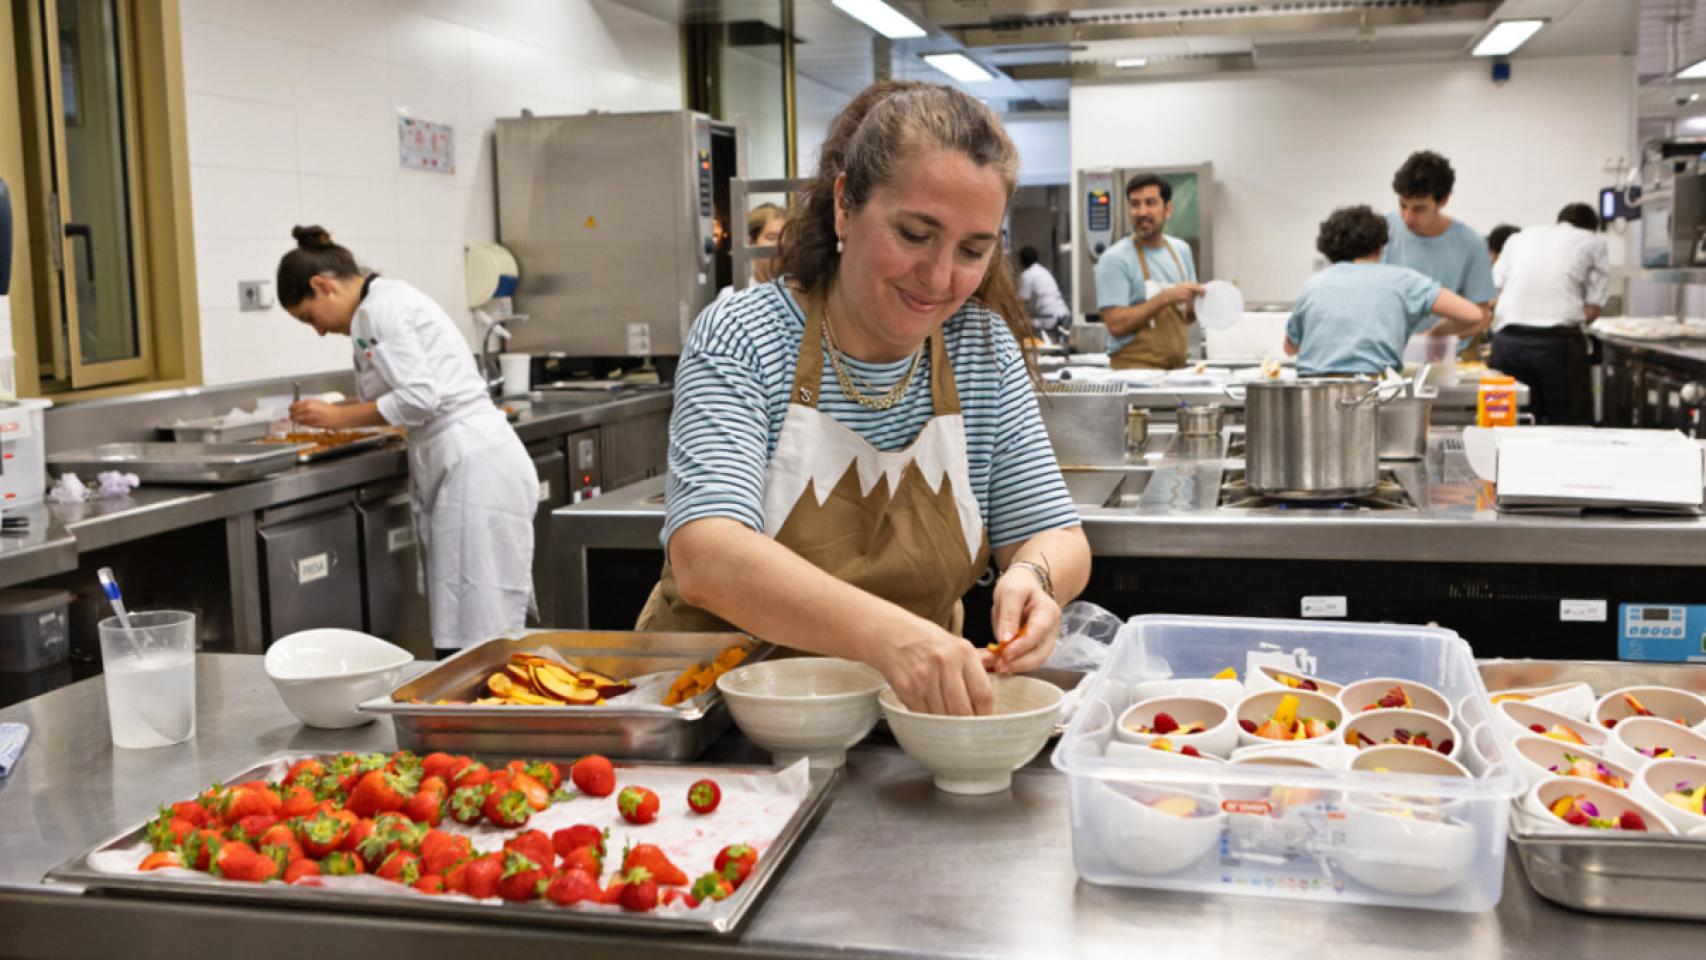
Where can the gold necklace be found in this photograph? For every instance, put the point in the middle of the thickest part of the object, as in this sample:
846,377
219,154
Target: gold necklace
882,400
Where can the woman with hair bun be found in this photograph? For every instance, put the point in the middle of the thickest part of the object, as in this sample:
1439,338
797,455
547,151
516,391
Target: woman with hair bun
472,487
854,440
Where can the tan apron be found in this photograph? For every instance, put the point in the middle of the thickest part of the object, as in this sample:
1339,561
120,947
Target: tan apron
1162,345
903,525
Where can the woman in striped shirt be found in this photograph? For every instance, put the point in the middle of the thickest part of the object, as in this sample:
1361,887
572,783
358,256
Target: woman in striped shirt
853,442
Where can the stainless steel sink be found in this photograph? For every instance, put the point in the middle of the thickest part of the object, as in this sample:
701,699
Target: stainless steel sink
1107,486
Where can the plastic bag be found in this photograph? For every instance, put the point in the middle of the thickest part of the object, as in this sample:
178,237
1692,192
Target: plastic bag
1086,633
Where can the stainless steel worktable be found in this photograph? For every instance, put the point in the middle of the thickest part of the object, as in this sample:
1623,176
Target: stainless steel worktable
894,869
1684,351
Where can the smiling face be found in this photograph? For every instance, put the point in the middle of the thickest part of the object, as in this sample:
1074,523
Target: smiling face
1149,213
916,250
1423,215
332,307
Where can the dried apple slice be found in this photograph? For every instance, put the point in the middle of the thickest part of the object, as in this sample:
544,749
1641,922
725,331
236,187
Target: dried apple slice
556,683
585,696
500,684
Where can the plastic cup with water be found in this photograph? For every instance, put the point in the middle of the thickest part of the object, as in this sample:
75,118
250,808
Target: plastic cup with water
150,677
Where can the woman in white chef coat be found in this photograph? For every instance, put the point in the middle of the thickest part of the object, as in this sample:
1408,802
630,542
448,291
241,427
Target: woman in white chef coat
472,486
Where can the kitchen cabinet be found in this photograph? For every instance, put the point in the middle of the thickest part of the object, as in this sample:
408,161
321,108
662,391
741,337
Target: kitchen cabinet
311,566
553,469
393,607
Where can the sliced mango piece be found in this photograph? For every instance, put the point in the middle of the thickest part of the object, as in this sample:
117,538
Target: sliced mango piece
1286,713
1227,674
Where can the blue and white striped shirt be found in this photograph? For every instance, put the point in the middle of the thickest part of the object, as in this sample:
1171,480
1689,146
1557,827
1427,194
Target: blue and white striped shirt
732,390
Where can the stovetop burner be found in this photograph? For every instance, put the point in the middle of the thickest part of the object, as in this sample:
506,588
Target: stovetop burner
1388,494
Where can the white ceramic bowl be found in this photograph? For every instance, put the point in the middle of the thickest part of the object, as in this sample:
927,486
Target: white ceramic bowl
1574,699
1267,678
1138,755
1517,718
1480,751
1257,707
1356,697
1143,840
974,755
1631,740
1405,850
1611,803
1219,734
1228,692
1666,703
1398,758
1314,753
1661,777
1377,725
811,707
1533,758
324,674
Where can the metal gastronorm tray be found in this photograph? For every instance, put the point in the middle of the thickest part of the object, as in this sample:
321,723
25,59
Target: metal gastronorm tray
310,453
721,918
1645,876
214,430
615,729
194,463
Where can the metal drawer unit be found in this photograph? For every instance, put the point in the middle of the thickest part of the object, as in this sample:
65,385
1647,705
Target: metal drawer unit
393,606
553,469
311,566
634,449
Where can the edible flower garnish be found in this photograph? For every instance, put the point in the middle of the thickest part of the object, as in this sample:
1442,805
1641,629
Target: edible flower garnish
1579,811
1400,735
1588,770
1689,798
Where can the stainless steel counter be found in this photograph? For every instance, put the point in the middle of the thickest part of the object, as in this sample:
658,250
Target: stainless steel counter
46,549
894,869
1685,351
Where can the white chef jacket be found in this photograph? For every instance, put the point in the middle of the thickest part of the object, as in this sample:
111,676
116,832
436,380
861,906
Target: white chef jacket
1041,295
472,487
1548,276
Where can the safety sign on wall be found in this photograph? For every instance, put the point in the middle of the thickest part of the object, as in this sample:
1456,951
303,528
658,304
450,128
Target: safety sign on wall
424,145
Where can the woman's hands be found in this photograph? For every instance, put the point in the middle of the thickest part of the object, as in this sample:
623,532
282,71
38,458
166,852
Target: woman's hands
317,413
1026,622
933,671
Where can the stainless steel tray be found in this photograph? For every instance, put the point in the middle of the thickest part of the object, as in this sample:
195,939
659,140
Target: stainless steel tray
645,731
192,463
1642,876
722,919
213,430
309,453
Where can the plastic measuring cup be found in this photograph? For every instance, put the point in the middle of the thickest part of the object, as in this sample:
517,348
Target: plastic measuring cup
150,680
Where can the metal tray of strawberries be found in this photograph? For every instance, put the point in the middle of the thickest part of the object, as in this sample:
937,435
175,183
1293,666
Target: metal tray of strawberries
1641,875
634,725
95,870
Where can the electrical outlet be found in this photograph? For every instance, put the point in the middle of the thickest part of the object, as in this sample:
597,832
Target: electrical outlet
254,294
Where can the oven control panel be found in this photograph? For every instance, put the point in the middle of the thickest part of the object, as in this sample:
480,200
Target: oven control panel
1671,633
1098,211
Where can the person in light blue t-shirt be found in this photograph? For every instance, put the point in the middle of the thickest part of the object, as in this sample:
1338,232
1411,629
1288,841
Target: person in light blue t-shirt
1355,316
1423,238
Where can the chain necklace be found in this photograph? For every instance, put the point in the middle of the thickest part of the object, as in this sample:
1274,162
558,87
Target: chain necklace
850,382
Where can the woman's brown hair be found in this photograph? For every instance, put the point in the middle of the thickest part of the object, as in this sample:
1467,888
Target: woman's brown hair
759,218
868,141
315,256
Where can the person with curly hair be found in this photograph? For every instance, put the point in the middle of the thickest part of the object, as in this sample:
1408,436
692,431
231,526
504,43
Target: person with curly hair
1423,238
1356,315
853,442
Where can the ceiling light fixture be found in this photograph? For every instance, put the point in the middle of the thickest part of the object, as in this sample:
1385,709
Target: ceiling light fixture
959,66
1506,36
1131,63
1694,71
881,17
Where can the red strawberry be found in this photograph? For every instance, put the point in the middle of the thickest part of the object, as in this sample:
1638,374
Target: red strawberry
470,774
325,832
1446,746
252,826
1537,728
467,804
377,792
1401,735
535,845
237,860
192,811
427,804
297,869
430,883
342,863
1303,684
1575,818
579,835
281,835
573,886
1248,726
507,807
520,878
304,773
639,891
538,795
1164,723
637,804
247,800
585,858
441,765
201,847
440,851
1610,722
594,776
736,862
400,867
167,831
543,771
711,886
651,858
1190,751
1630,820
703,796
298,802
161,858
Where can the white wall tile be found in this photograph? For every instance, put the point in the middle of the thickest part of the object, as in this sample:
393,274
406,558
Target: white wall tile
426,43
428,211
347,146
353,209
241,133
264,17
340,82
234,63
450,10
226,202
221,265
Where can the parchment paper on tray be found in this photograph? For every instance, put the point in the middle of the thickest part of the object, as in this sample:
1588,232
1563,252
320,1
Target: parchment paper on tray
756,807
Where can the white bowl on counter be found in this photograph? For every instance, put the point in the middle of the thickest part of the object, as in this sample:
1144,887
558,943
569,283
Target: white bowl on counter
1661,777
1666,703
1151,757
1259,706
1146,841
1268,678
1533,758
1378,725
1482,753
1218,736
1328,756
811,707
1610,803
1574,699
1405,849
324,674
1632,741
1517,718
1356,697
976,755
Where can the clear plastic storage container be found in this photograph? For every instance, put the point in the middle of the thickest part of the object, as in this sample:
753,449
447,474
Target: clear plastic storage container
1147,818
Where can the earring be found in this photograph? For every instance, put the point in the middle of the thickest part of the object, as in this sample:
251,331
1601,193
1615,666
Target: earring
839,245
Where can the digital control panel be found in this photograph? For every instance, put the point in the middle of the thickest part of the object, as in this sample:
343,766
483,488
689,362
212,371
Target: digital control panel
1670,633
702,178
1099,211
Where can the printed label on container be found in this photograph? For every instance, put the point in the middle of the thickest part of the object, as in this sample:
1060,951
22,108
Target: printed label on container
1259,808
310,569
1325,607
1581,611
15,429
544,490
398,539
